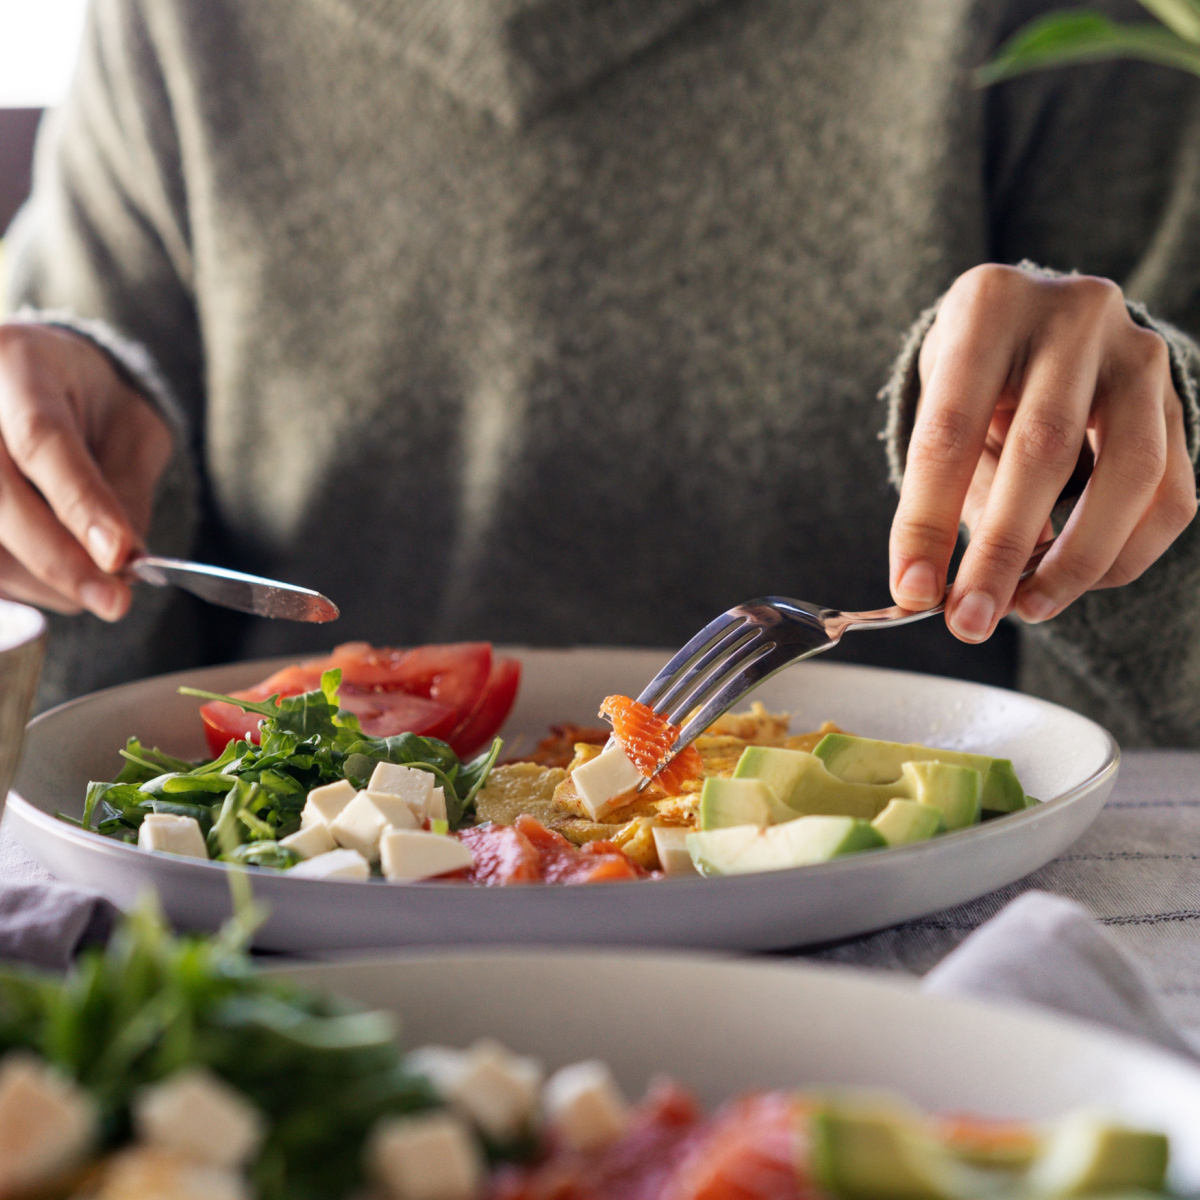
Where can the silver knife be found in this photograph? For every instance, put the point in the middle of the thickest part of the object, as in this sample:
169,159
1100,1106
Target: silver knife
233,589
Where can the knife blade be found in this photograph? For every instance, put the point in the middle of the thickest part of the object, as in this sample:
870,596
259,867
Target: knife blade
235,589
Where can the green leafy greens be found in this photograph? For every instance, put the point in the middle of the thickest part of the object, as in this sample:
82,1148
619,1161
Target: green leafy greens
252,796
323,1073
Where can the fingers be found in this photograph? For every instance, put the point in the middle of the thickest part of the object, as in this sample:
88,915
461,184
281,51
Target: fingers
968,373
18,584
1130,512
1038,458
45,549
44,439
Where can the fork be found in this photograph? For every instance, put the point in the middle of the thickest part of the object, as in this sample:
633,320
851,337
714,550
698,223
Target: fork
753,641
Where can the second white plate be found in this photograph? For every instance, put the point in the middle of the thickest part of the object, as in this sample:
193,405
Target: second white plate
1065,759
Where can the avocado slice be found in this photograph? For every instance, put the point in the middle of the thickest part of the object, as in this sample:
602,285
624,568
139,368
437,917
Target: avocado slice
954,791
741,849
905,821
725,802
866,1152
867,760
1087,1154
806,785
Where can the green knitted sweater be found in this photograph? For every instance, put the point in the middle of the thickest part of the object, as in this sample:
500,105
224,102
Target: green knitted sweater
563,321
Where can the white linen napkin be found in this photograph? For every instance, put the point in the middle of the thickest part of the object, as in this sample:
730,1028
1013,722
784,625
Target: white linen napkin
1044,950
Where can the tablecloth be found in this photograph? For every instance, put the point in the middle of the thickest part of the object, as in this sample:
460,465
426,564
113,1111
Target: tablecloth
1136,870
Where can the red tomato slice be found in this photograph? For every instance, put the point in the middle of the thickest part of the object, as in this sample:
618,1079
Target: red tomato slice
492,710
435,691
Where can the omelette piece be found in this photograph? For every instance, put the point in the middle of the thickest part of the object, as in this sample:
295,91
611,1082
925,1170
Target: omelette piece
548,793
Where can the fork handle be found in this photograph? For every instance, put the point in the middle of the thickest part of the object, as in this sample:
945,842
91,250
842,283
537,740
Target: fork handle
883,618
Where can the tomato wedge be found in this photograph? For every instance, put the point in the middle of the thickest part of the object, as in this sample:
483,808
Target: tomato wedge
492,710
448,691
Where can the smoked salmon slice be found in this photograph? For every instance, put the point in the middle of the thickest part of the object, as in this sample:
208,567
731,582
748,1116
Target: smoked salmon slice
646,739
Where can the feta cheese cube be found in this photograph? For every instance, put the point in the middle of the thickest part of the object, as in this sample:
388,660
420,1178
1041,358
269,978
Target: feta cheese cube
172,835
496,1089
310,842
415,854
337,864
324,804
673,855
426,1158
47,1123
411,784
583,1103
151,1174
358,827
602,782
199,1117
436,808
396,811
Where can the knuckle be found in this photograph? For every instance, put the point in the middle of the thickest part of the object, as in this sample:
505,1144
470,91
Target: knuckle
1122,572
1142,462
1148,351
29,431
1081,567
943,436
1001,552
921,537
986,287
1045,439
1179,504
1092,292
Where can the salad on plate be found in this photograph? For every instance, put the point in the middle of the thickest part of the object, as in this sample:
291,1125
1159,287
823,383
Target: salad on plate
380,763
166,1068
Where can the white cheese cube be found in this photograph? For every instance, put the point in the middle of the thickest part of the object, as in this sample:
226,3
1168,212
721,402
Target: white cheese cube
395,809
358,826
411,784
151,1174
583,1104
415,854
441,1065
172,835
673,855
47,1123
324,804
496,1089
199,1117
310,842
602,782
436,809
337,864
426,1158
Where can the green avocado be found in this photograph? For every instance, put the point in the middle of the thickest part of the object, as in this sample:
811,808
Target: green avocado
905,821
1087,1154
725,802
866,760
741,849
807,786
954,791
871,1152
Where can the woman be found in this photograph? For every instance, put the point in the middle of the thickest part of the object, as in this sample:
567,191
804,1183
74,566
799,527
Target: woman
562,322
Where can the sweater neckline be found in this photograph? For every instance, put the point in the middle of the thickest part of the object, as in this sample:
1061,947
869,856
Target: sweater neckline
515,58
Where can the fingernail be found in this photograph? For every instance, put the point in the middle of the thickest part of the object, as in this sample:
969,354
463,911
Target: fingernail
972,616
101,598
919,585
1034,607
103,544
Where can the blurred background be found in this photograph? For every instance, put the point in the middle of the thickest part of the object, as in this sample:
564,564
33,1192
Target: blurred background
39,40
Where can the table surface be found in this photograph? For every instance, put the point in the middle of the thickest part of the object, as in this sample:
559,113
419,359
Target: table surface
1135,870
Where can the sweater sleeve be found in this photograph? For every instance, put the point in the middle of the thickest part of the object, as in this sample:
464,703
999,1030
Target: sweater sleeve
1129,657
101,248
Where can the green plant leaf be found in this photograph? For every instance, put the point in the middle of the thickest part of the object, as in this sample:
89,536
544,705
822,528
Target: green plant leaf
1182,16
1079,36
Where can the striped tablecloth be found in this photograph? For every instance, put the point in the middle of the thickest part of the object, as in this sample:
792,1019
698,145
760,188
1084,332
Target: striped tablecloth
1137,870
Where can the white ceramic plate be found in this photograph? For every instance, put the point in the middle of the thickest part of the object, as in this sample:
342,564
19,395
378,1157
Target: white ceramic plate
1063,758
721,1028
